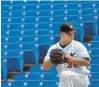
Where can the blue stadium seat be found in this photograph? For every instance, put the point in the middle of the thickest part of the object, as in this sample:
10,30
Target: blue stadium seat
94,60
28,46
30,7
89,29
50,76
95,38
43,39
15,26
15,3
28,39
29,19
16,8
44,19
72,5
29,26
59,19
77,36
13,39
3,33
49,83
4,20
43,32
5,7
5,3
34,76
58,13
14,33
96,4
72,18
28,13
13,65
56,39
93,68
95,52
43,5
94,83
20,77
76,25
2,54
5,14
33,83
88,18
15,19
29,57
87,11
4,84
12,53
42,52
13,46
86,5
56,26
27,33
35,69
16,14
44,14
2,39
17,83
43,25
4,26
58,5
95,75
71,12
94,44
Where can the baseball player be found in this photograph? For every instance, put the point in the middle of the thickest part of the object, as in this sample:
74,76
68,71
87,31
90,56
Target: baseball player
70,57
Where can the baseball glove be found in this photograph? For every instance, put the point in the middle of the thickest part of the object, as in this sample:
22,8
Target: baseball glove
57,56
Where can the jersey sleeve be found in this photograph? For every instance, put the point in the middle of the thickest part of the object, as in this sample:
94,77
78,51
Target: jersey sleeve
47,57
82,51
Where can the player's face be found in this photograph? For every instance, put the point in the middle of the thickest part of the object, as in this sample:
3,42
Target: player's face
67,37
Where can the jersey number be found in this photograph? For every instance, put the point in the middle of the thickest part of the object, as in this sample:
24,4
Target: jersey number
70,65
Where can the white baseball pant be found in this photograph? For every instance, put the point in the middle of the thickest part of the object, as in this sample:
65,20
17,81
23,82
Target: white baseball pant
73,79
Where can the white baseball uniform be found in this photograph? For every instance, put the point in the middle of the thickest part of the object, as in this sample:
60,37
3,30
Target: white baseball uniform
72,75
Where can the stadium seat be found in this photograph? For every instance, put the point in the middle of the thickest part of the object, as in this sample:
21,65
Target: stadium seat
42,52
17,83
4,84
20,77
56,39
37,68
29,57
94,75
94,83
13,64
34,76
94,60
93,68
77,36
50,76
50,83
34,83
89,31
94,44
